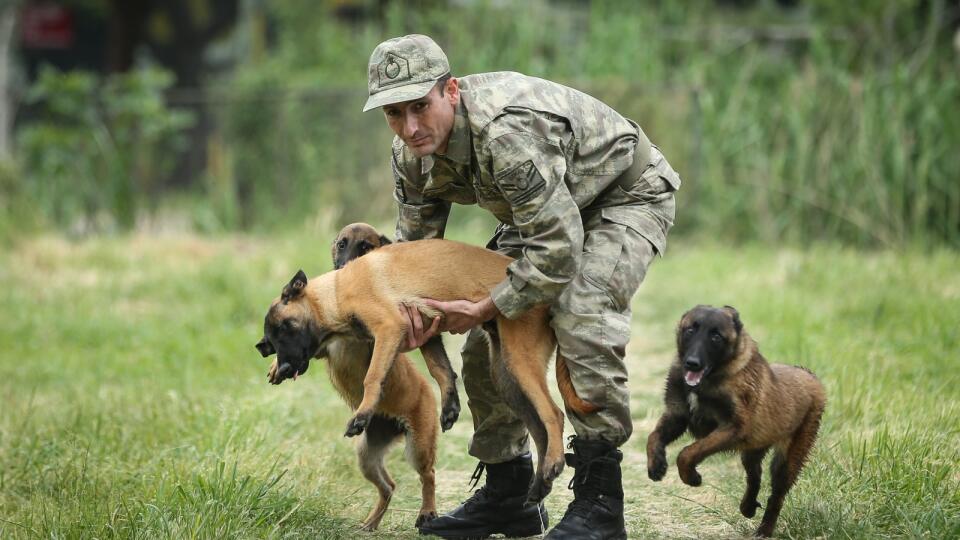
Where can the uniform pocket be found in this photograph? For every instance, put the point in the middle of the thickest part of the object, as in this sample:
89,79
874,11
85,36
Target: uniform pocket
601,253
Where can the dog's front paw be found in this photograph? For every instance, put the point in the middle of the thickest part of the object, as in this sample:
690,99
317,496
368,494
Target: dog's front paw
450,412
657,465
272,373
357,424
749,507
687,467
690,476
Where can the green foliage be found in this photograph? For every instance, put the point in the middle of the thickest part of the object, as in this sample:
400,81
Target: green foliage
834,122
830,121
99,151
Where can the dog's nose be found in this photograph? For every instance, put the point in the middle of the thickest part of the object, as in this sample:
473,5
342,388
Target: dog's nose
285,371
692,363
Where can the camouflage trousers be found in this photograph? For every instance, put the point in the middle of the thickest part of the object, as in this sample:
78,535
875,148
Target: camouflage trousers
591,319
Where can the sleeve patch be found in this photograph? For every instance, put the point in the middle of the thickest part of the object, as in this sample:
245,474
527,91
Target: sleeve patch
522,184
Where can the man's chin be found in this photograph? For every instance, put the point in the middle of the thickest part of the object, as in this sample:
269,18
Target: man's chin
424,148
421,151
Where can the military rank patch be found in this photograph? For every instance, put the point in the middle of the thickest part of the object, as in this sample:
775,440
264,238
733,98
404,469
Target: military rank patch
522,184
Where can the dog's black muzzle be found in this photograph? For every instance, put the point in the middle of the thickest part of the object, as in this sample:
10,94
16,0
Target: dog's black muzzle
290,369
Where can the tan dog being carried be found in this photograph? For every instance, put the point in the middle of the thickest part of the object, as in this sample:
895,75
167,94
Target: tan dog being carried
367,293
407,408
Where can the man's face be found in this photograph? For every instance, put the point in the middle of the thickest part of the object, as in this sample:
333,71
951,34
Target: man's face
424,124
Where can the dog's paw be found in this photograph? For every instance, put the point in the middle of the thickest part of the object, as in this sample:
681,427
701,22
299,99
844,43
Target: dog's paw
764,531
691,477
424,517
657,466
273,373
357,424
539,490
450,412
749,507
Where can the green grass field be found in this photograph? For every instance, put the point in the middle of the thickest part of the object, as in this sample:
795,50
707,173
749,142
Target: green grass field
133,404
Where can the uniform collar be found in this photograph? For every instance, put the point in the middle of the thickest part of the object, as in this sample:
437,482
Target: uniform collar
458,146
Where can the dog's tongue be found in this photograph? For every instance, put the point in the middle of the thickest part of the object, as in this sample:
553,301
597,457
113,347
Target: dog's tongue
693,377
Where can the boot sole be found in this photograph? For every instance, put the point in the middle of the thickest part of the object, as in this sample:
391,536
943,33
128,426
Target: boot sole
480,534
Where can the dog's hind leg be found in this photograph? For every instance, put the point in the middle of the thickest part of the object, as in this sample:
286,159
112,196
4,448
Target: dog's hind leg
438,364
421,452
526,349
786,466
753,463
371,448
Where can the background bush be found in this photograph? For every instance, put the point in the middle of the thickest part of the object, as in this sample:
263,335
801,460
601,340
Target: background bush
824,121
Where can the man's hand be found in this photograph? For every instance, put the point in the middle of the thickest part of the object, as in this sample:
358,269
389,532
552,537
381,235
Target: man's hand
460,316
417,335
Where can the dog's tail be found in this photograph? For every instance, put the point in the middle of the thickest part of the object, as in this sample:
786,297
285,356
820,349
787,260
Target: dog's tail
571,400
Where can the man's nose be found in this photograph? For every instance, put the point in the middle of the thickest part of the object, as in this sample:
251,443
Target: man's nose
410,126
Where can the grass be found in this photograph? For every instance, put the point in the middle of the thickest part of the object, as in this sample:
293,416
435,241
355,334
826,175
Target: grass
133,405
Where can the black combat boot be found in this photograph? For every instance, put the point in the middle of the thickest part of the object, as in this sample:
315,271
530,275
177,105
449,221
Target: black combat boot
496,508
596,512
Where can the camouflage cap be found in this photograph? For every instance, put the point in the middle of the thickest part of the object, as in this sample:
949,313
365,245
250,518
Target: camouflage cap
404,68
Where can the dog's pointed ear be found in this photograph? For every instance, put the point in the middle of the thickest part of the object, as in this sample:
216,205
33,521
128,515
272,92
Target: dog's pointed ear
384,241
265,347
735,315
295,288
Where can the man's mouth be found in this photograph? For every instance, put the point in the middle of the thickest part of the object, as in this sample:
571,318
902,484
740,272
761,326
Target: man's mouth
693,378
419,141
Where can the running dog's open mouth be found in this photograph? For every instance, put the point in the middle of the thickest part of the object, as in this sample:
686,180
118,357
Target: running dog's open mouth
287,371
693,378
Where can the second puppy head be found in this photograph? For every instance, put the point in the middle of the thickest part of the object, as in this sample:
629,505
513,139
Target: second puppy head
355,240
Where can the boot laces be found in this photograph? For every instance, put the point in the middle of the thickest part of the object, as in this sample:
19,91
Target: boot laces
481,495
585,493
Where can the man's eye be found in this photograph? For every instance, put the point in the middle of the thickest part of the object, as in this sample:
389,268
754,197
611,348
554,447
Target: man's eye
420,107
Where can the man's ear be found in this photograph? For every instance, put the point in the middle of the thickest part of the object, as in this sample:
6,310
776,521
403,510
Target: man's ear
735,315
452,91
265,347
295,288
384,241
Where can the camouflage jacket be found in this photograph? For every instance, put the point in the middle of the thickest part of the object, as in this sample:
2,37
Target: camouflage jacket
537,155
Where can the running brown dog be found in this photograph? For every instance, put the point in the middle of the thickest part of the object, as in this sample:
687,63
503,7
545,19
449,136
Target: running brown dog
356,240
723,390
368,291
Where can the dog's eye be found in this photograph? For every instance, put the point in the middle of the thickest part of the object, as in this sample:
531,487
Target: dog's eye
688,330
716,337
342,243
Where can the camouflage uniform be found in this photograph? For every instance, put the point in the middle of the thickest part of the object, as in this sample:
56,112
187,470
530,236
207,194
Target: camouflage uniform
584,201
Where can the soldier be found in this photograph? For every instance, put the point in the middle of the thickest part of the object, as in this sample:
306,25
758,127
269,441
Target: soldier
584,202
